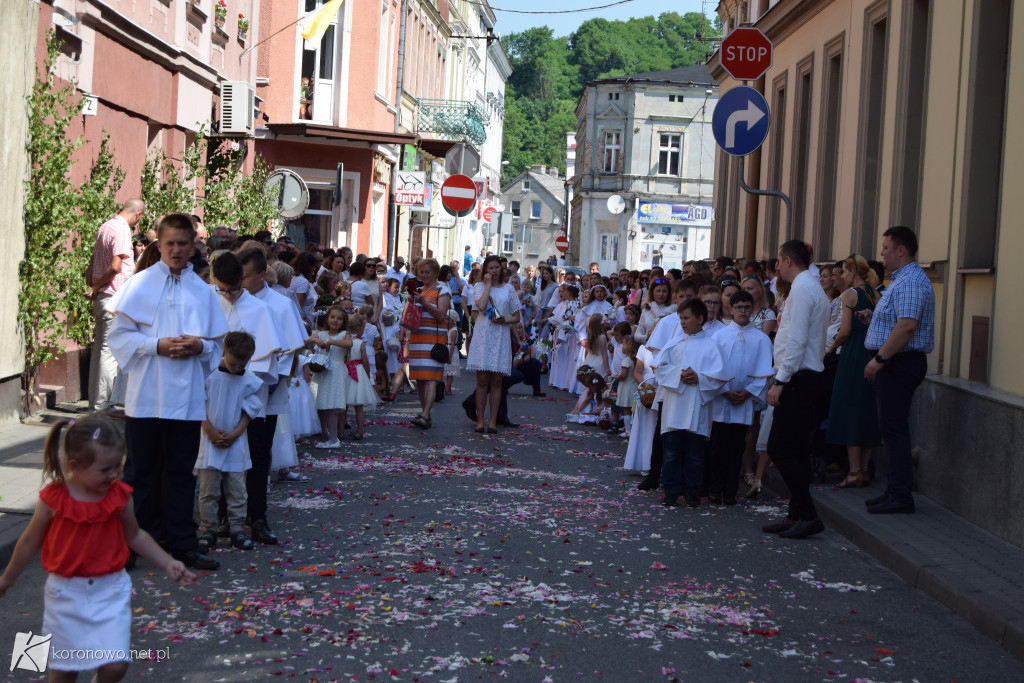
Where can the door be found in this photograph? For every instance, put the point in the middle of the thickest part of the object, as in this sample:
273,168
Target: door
319,65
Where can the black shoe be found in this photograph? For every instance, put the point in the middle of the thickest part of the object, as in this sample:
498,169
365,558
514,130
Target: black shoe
648,484
891,507
261,533
778,527
692,499
506,423
492,430
670,500
876,500
803,529
206,541
241,541
193,559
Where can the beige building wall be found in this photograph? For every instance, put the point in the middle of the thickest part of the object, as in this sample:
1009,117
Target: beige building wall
922,120
18,20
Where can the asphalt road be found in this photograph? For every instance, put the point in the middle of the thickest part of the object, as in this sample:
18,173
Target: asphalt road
450,556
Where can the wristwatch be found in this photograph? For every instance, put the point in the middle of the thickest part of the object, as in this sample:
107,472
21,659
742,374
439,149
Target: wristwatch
880,359
778,383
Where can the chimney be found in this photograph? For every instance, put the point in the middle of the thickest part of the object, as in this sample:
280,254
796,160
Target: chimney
537,168
553,172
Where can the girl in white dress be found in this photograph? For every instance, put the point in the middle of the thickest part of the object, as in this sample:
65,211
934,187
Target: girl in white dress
641,436
451,368
658,306
329,385
359,393
595,354
627,381
563,355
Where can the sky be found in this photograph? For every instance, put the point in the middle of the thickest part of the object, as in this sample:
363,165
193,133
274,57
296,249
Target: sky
564,24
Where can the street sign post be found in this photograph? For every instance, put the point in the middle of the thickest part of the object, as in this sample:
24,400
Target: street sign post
740,122
562,244
746,53
458,195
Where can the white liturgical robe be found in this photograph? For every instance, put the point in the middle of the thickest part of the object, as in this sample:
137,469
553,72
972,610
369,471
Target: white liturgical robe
688,406
748,353
291,333
227,397
151,305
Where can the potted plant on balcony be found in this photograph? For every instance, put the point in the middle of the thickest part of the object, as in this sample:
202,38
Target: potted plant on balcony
243,26
220,13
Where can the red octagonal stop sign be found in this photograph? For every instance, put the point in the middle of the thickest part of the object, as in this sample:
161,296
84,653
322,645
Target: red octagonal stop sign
746,53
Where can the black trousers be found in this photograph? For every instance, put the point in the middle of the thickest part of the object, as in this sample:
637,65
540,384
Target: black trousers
789,444
161,455
260,434
895,385
727,444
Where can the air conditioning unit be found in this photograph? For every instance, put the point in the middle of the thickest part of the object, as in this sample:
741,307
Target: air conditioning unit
237,99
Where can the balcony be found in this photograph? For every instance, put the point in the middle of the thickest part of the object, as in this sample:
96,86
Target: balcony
453,120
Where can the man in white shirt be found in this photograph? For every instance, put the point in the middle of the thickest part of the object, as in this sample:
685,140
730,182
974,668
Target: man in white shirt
112,263
166,336
796,390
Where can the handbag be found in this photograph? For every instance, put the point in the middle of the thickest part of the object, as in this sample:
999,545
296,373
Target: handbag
492,313
412,317
439,352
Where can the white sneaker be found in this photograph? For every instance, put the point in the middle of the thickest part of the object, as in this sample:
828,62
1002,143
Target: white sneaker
328,444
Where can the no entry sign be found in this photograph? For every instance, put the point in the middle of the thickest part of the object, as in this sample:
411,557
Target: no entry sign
458,195
746,53
562,244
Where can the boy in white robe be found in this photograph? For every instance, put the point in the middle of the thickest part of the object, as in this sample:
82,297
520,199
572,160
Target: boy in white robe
690,372
244,312
166,336
291,334
748,353
232,400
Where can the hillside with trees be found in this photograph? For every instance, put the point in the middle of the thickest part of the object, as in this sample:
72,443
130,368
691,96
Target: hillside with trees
549,74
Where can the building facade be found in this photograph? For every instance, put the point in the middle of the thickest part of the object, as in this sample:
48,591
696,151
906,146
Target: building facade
536,201
644,171
877,122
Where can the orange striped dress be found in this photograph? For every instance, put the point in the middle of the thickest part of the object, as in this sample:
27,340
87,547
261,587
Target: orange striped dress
421,365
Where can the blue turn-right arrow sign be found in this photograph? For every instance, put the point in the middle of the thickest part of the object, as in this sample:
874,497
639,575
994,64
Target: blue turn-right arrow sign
740,122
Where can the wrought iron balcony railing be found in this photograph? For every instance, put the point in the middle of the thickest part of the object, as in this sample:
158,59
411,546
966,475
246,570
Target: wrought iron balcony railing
453,120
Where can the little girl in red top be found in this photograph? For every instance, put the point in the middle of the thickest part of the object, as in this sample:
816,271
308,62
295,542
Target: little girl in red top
85,522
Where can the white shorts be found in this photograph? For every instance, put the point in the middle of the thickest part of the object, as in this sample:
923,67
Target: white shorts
90,620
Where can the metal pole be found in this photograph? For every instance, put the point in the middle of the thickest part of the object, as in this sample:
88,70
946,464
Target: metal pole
768,193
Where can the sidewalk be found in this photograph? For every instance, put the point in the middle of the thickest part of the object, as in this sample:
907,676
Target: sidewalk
973,573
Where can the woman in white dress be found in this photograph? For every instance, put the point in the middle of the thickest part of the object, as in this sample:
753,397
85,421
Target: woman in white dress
490,352
658,305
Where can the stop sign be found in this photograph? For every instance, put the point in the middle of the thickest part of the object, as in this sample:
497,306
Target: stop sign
746,53
562,244
458,195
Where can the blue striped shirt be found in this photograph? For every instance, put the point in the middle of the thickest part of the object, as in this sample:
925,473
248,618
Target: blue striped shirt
909,295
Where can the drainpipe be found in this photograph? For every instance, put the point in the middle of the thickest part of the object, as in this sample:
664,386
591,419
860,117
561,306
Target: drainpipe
392,207
750,242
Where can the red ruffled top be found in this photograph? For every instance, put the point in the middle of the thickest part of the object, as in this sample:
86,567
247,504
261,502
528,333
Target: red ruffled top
85,539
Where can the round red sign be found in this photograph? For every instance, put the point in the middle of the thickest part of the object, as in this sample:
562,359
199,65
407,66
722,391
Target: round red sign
562,244
487,213
458,194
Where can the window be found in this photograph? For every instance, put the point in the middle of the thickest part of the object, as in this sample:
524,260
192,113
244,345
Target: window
670,154
385,49
526,185
515,209
609,247
534,210
506,243
613,96
612,145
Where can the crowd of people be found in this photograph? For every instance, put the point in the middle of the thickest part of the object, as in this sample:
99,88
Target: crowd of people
224,349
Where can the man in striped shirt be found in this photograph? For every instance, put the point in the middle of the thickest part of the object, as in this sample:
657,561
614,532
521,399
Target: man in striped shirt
113,262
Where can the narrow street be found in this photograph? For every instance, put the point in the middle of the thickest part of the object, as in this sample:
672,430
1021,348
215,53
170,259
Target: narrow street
451,556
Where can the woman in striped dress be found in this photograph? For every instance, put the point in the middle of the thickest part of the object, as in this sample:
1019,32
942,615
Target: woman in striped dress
434,301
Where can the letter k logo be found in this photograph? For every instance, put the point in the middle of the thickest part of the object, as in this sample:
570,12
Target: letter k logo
30,652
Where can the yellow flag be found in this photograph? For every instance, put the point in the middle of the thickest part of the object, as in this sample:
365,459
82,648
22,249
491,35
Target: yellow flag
316,22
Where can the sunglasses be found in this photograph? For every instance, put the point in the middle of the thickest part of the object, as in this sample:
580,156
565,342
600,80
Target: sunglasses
659,281
730,283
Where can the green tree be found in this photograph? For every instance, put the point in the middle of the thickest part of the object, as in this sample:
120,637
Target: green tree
60,224
169,185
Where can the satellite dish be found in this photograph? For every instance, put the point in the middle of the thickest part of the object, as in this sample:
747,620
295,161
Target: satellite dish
288,192
616,204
